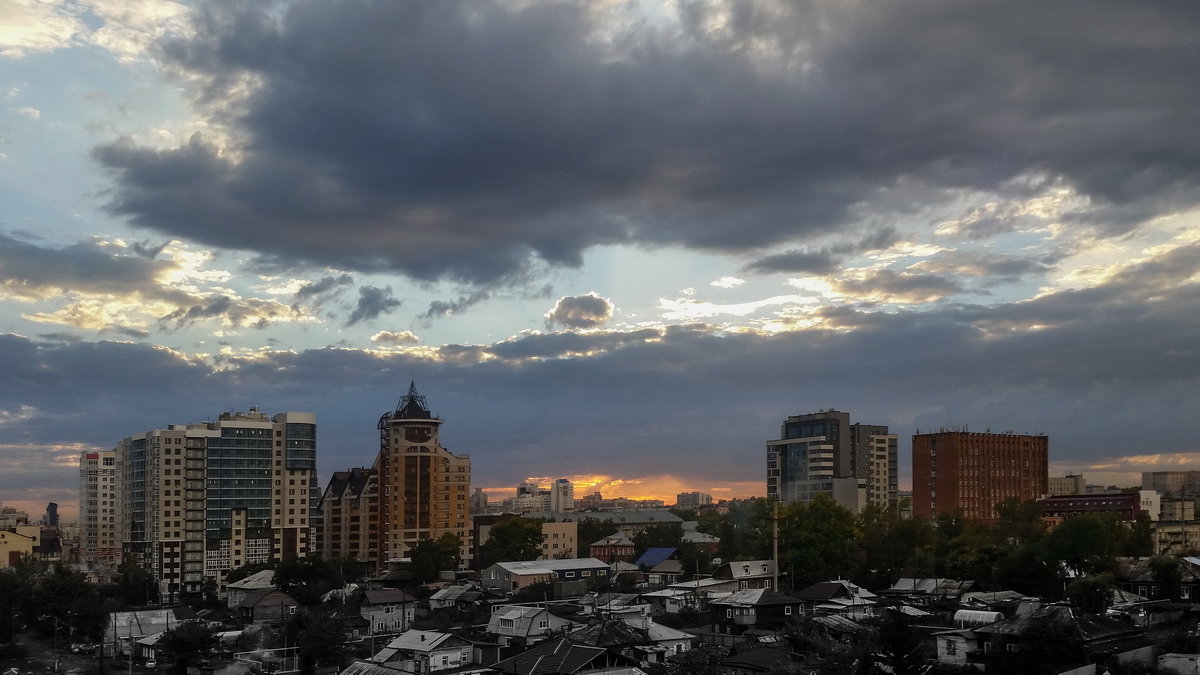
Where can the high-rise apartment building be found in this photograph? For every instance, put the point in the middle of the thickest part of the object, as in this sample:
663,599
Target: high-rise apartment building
1173,483
562,495
823,453
200,499
415,490
99,532
692,500
972,472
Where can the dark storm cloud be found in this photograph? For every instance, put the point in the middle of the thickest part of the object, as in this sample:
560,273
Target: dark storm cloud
323,285
899,286
1074,364
89,266
372,301
449,140
580,311
826,260
993,267
442,308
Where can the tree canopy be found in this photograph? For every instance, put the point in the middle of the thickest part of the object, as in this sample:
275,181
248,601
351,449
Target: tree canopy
512,539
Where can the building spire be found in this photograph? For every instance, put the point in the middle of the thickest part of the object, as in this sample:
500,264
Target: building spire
412,404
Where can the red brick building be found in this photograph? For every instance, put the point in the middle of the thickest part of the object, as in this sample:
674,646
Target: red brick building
972,472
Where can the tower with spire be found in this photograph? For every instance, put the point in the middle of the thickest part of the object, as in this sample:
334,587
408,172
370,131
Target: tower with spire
425,486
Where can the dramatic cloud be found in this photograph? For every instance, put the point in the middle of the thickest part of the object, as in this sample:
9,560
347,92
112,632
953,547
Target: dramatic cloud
372,302
580,311
323,285
394,136
30,271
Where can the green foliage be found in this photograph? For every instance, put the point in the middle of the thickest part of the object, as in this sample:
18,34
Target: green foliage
430,557
658,535
1086,544
818,541
320,637
535,592
702,660
899,651
1167,573
187,644
1019,522
892,546
307,579
591,530
512,539
1091,593
135,586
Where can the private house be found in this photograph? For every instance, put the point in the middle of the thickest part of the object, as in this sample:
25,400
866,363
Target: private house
1135,575
953,646
758,608
563,656
671,600
617,546
515,575
527,623
237,591
423,651
125,628
694,536
662,564
635,638
748,573
266,605
463,597
1065,636
388,610
927,591
837,597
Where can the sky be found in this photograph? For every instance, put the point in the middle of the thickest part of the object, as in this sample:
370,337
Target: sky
617,242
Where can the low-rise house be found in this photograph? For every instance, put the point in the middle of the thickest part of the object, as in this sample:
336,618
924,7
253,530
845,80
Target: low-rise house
748,573
388,610
759,608
1064,637
954,646
616,546
563,656
1136,575
1179,664
694,536
838,597
237,591
424,651
267,605
671,600
665,573
124,628
527,623
515,575
926,591
637,638
459,596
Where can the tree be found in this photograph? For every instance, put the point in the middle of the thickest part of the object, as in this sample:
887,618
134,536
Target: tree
135,585
591,530
899,651
512,539
1091,593
1167,573
818,540
307,579
892,545
658,535
703,660
320,638
430,557
187,643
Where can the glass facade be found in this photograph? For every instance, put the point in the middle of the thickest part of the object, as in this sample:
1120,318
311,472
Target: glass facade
239,476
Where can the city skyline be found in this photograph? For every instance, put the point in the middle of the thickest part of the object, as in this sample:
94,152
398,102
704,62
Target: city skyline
612,242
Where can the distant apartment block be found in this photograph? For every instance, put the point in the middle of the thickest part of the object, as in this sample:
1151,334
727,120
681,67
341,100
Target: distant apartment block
692,500
200,499
959,470
415,490
823,453
99,530
1170,484
562,495
1071,484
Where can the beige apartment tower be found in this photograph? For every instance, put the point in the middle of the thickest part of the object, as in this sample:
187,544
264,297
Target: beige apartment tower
424,487
197,500
99,531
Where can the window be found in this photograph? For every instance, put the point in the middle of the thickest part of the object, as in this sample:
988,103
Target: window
951,647
506,623
787,611
543,624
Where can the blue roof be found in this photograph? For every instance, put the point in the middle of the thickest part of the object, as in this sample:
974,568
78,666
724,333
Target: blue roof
654,556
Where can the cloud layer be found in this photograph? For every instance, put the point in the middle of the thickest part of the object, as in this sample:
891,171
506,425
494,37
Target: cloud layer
465,141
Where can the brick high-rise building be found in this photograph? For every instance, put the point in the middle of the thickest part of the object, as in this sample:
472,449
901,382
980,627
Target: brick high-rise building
198,500
972,472
415,490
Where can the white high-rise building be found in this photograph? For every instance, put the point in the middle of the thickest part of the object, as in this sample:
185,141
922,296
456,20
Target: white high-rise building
99,532
562,495
198,500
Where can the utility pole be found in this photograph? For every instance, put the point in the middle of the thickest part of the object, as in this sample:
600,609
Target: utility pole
775,545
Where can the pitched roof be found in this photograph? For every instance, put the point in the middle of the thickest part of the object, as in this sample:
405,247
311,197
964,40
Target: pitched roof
1086,628
654,556
548,566
386,596
830,590
617,539
744,569
253,598
555,657
758,597
263,579
610,634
